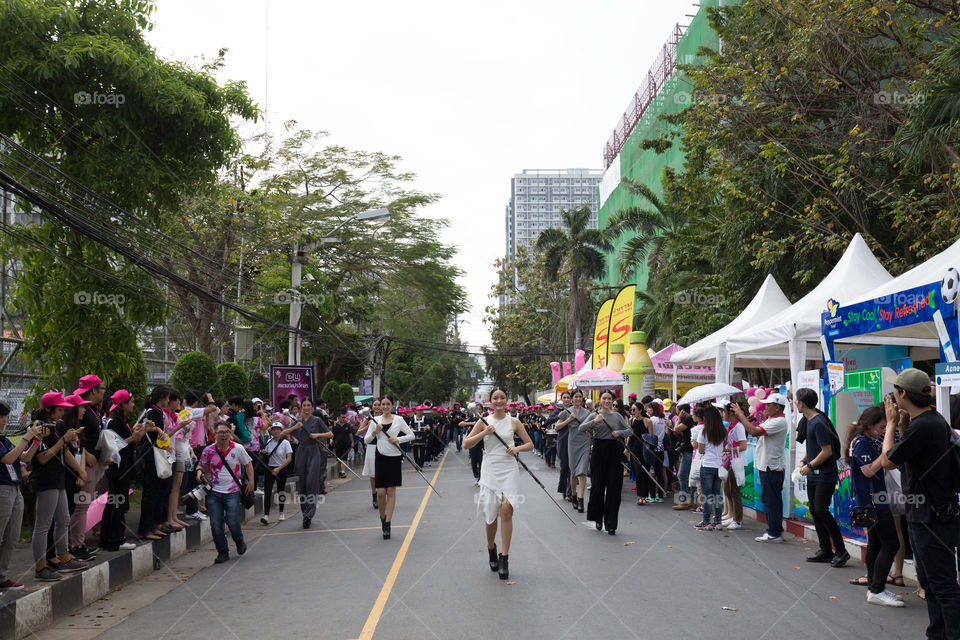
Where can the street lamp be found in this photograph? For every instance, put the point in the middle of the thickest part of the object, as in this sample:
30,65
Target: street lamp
299,257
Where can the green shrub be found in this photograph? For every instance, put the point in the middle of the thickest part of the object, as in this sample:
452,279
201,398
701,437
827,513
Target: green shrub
194,370
260,387
232,380
133,380
346,394
331,395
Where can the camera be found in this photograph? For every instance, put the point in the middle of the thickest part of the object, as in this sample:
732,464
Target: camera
199,493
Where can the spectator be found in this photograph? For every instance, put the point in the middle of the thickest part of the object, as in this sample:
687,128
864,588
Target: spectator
91,390
770,462
710,447
113,526
222,463
682,430
11,499
279,455
819,465
156,490
932,512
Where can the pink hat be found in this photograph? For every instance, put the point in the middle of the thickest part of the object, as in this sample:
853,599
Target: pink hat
87,382
632,395
54,399
119,397
75,400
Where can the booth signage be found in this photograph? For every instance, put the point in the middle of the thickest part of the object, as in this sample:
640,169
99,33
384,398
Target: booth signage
897,310
948,374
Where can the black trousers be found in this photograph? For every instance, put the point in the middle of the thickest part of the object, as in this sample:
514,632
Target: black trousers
819,495
934,555
476,459
419,453
563,486
641,479
156,494
113,528
882,546
606,475
268,481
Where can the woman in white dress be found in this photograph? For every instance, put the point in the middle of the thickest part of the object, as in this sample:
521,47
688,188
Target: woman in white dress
370,457
390,432
499,476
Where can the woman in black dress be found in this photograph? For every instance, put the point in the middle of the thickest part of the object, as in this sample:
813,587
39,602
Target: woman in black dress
396,432
113,528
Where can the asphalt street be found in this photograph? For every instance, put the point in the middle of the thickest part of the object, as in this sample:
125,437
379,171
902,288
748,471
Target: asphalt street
657,578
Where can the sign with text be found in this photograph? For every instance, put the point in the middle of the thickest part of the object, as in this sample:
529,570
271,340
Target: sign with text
907,307
287,380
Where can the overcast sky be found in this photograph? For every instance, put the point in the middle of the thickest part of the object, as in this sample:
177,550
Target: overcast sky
466,94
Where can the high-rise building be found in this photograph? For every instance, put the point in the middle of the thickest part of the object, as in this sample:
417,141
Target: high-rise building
537,196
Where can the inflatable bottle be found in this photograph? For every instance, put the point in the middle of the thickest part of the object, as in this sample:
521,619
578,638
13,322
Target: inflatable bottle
638,366
616,357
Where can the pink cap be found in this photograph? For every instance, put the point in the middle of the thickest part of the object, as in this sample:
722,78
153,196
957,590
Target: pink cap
119,397
87,382
54,399
75,400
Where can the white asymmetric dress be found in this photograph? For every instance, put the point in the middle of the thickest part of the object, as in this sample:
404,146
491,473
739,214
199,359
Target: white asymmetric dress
499,473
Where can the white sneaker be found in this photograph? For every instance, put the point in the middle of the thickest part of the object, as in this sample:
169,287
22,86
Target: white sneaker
127,546
726,521
884,598
200,515
733,525
265,520
766,537
258,492
282,517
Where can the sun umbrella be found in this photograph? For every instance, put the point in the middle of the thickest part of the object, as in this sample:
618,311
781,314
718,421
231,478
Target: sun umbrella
564,383
600,379
546,398
708,392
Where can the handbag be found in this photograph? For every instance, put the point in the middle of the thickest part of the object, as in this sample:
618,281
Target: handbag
163,462
246,499
863,517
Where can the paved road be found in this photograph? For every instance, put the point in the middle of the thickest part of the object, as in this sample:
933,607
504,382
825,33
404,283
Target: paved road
658,578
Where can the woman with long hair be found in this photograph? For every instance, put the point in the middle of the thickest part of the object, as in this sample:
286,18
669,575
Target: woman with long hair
563,457
113,527
639,426
606,471
156,490
310,460
861,452
658,427
710,447
370,454
395,432
499,476
578,447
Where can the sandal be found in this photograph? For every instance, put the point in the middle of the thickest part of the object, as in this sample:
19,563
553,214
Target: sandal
150,536
896,580
641,502
922,593
862,581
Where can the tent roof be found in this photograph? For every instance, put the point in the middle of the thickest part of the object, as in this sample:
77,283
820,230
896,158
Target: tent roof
769,301
663,368
857,270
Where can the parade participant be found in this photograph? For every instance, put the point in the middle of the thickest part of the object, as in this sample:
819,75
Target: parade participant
476,453
90,388
278,455
55,451
370,453
710,443
606,463
11,498
389,476
562,455
221,463
819,465
769,461
578,447
113,528
342,441
420,425
311,459
499,477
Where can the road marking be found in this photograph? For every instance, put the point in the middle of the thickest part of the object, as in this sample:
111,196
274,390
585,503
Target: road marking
297,533
419,486
374,618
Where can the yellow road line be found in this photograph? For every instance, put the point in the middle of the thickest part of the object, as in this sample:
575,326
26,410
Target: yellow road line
374,618
297,533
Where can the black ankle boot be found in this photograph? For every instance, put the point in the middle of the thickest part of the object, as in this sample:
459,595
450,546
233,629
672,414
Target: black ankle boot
580,505
504,568
375,505
494,562
386,530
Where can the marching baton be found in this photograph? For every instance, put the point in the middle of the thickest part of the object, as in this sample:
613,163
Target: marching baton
633,455
331,452
532,474
417,469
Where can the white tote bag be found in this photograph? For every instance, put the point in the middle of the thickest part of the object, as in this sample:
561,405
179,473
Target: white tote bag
163,461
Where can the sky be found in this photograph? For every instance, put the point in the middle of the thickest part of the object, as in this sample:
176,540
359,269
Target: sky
466,93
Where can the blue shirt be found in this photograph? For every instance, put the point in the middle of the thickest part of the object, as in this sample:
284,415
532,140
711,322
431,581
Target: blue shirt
6,447
865,451
820,433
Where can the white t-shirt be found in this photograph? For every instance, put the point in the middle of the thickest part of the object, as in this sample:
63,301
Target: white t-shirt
280,454
712,453
221,479
770,453
694,434
658,428
181,442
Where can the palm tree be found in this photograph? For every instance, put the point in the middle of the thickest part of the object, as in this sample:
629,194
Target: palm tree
575,253
650,230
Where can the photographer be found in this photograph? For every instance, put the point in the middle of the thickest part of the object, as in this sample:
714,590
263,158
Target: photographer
769,461
11,500
222,463
932,513
113,528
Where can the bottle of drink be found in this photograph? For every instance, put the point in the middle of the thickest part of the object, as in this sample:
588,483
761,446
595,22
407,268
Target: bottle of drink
638,366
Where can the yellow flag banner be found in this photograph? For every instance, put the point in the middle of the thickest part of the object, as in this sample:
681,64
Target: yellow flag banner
601,331
621,318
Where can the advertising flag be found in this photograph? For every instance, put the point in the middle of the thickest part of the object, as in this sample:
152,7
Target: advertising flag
601,332
621,318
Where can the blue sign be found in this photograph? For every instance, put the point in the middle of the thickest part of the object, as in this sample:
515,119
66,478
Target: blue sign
897,310
901,364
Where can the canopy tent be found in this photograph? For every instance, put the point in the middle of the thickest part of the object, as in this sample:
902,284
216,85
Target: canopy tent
768,302
794,332
670,377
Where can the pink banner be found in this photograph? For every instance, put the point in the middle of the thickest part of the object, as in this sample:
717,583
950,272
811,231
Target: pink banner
555,372
579,360
567,369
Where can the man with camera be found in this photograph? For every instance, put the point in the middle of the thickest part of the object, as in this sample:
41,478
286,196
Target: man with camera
221,463
933,515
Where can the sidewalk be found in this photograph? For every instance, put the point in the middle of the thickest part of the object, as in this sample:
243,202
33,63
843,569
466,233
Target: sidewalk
39,604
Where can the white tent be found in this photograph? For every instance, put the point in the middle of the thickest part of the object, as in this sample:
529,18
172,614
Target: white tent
795,330
768,302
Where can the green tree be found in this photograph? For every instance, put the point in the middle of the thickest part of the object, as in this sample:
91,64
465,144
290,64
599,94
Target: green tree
194,371
260,386
232,380
135,381
575,254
